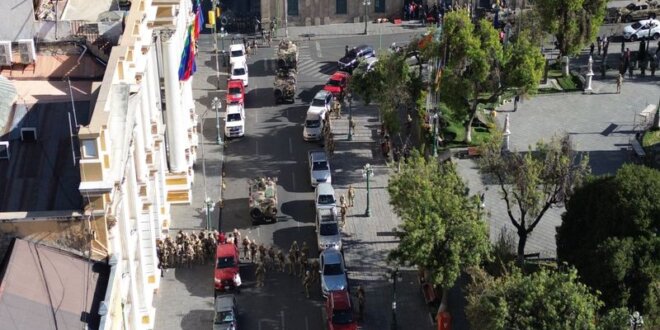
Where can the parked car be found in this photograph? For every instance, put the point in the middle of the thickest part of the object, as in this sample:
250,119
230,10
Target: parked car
235,120
237,54
327,229
339,311
226,273
333,272
324,195
319,167
240,71
226,313
337,83
642,30
235,91
313,126
635,11
350,60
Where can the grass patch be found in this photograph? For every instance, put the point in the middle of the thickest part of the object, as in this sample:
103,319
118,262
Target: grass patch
455,135
651,138
554,74
570,83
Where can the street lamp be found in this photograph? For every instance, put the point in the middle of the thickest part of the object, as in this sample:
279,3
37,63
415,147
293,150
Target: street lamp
394,273
636,321
223,34
217,104
366,3
367,172
349,97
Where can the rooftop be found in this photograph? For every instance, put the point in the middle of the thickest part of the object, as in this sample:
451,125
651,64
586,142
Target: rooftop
46,288
17,17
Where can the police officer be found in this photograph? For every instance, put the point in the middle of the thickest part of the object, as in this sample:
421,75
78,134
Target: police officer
260,274
351,196
306,283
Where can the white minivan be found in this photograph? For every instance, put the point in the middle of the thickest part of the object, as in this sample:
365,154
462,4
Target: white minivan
237,54
239,70
235,120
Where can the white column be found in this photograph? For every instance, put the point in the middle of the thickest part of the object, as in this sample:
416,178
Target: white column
140,154
189,109
176,129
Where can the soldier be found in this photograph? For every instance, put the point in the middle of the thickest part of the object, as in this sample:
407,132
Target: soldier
292,261
305,248
342,200
351,196
330,146
343,215
260,274
271,257
306,283
246,247
295,249
336,108
280,260
262,252
190,255
361,301
302,263
316,267
253,251
237,237
351,122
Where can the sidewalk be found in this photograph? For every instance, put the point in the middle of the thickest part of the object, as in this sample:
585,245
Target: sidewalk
350,29
368,240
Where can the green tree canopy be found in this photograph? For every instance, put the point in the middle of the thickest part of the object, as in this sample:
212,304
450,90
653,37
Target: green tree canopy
534,181
442,230
479,68
610,234
574,23
545,299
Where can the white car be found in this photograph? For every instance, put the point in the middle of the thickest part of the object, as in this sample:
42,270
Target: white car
319,167
333,271
327,229
642,30
313,127
240,71
237,54
324,196
235,120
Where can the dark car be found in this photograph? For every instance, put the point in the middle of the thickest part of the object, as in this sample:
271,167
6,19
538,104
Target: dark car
350,61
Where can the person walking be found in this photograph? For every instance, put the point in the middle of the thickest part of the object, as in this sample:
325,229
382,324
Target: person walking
302,263
253,251
246,247
237,237
619,82
591,49
516,100
291,262
281,261
599,43
306,283
343,215
351,196
260,274
316,267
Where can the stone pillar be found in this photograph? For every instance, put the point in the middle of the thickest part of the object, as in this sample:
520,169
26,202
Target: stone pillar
176,129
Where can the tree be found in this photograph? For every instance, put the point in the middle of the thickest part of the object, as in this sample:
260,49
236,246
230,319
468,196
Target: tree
574,23
610,234
479,69
441,228
533,182
545,299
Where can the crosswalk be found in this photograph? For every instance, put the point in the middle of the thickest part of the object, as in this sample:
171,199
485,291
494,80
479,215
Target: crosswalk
307,67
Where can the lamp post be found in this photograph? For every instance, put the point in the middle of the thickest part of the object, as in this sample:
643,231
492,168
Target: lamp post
349,97
223,34
636,321
215,45
208,203
366,3
367,172
217,104
394,278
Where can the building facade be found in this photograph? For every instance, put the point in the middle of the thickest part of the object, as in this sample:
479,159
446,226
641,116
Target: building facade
320,12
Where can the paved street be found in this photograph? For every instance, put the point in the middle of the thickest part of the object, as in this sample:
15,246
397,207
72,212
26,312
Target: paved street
273,146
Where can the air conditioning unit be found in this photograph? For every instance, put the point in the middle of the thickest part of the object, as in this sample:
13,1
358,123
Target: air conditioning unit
29,134
4,149
5,53
27,51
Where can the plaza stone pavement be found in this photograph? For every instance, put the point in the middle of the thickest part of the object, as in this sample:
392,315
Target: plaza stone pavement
349,29
600,125
367,240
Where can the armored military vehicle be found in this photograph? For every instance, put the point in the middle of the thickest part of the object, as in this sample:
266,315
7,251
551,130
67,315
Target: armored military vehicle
284,87
262,196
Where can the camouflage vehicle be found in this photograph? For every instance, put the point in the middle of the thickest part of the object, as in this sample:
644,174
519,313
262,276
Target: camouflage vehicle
636,11
284,87
262,196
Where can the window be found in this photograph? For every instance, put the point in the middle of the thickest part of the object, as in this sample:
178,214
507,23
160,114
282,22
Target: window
342,7
292,9
379,6
89,149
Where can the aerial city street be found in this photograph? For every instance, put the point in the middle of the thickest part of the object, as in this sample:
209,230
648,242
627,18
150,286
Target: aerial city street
330,165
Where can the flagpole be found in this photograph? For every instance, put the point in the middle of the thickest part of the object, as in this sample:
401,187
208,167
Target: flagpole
215,46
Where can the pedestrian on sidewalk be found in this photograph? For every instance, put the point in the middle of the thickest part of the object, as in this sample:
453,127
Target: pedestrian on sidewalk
515,102
591,49
351,195
619,82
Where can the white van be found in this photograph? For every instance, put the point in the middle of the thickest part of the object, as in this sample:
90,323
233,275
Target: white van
235,120
239,70
237,54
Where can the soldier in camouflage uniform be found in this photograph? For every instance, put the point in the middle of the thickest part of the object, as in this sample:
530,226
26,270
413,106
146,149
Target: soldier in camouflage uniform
316,267
343,211
280,260
302,263
307,281
260,274
246,247
271,257
304,249
291,262
253,251
351,196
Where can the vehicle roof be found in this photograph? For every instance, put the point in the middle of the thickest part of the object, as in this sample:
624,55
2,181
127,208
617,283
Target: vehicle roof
339,74
234,107
339,299
321,95
226,249
224,302
236,47
331,256
314,112
318,155
325,188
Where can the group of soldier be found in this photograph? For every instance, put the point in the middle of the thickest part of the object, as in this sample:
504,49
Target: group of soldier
345,204
186,249
328,138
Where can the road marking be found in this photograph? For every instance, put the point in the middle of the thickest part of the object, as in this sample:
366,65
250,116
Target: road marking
290,146
282,318
318,49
